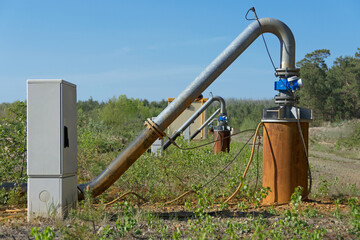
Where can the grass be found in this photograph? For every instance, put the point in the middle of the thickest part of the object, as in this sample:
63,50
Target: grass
341,139
202,215
161,178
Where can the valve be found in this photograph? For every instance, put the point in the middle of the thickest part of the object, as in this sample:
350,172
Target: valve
288,84
287,87
223,120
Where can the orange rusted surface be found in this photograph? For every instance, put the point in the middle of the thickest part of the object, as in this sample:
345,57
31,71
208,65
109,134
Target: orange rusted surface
284,161
222,143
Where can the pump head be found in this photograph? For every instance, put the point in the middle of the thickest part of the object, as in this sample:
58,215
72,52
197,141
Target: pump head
287,87
223,120
288,84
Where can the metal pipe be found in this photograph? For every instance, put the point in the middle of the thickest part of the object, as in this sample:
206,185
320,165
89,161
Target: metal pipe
120,164
194,116
228,56
126,158
205,124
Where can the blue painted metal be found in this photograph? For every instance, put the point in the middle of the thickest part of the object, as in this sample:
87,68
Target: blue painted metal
283,85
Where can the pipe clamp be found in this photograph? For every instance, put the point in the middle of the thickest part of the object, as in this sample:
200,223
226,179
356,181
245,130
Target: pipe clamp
151,125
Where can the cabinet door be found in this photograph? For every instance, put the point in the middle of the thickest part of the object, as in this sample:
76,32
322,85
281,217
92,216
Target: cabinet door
69,133
43,128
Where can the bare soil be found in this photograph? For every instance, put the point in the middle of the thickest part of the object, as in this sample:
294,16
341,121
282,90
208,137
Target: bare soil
330,166
336,171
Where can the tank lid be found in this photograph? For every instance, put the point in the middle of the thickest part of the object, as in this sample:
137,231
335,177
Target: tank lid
286,113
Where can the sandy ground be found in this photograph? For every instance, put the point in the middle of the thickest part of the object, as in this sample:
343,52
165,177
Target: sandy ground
328,166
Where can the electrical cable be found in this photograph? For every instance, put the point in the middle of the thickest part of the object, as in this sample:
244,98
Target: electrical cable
211,180
121,197
205,144
180,197
262,33
190,191
227,165
247,167
257,163
305,151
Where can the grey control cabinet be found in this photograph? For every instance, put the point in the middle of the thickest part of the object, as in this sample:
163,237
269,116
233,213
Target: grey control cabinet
51,147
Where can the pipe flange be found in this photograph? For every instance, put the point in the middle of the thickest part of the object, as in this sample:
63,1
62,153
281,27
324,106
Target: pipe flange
284,99
151,125
285,72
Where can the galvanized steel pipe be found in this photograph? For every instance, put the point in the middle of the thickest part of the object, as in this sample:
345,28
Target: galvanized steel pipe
228,56
177,133
126,158
207,122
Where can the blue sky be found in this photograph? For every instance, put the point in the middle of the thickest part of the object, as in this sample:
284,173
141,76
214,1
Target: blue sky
154,49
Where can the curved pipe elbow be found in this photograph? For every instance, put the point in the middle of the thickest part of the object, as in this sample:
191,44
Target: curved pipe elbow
228,56
202,109
285,36
222,104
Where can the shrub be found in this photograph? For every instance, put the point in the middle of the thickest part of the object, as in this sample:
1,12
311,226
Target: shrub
13,144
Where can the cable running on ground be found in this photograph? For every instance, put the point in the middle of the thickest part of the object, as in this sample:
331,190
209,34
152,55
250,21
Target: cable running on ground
205,144
211,180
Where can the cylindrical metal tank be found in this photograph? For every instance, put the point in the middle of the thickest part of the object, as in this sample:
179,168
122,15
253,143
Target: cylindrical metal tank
285,163
222,138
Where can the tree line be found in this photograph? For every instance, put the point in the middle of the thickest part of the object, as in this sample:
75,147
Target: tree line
332,93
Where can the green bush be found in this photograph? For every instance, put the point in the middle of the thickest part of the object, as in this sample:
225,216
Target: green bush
13,144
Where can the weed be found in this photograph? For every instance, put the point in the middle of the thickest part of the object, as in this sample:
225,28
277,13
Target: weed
260,195
4,196
16,197
150,219
310,212
177,234
296,197
323,187
354,215
259,225
243,206
126,222
292,223
336,212
230,230
201,226
353,189
107,233
164,231
47,234
271,210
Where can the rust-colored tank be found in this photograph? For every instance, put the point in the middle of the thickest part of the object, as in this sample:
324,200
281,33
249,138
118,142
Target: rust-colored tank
285,164
222,138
